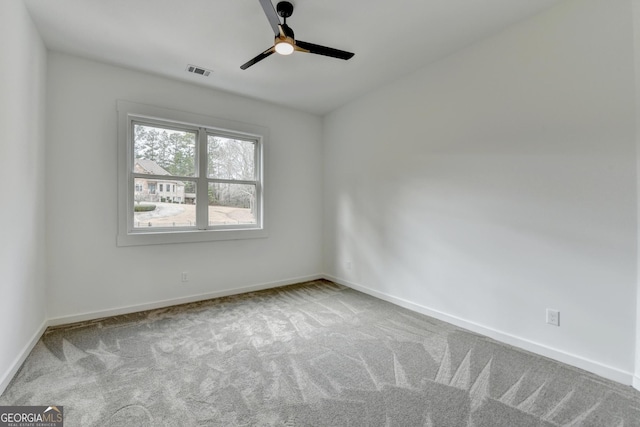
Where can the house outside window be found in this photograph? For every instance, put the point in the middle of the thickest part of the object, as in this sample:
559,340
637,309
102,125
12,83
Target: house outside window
185,177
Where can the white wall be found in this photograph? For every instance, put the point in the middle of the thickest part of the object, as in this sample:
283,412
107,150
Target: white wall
499,182
22,118
88,273
636,27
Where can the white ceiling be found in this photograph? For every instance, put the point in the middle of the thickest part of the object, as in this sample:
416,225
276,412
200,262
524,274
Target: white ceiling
390,39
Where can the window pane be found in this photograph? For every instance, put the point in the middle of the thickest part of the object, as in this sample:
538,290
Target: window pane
232,204
153,208
160,151
230,158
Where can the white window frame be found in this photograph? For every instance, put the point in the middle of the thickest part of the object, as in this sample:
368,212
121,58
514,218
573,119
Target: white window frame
130,113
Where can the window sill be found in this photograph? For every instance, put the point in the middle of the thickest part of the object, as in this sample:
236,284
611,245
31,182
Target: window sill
194,236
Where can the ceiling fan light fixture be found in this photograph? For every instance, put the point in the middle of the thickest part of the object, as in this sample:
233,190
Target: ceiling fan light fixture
284,47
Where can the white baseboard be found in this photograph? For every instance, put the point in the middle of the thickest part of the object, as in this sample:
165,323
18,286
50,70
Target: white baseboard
19,360
81,317
597,368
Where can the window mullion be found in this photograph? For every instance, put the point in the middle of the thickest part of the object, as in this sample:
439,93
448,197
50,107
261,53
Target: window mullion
231,181
202,191
162,177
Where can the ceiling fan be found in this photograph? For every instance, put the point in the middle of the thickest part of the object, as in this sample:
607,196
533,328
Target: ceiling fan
285,42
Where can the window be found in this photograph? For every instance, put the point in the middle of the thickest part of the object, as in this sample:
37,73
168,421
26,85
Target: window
187,178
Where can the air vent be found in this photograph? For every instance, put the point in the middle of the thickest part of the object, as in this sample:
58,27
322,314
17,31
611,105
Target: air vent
198,70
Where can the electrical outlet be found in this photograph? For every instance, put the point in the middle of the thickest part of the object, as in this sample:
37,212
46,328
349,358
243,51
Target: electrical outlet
553,317
185,276
348,265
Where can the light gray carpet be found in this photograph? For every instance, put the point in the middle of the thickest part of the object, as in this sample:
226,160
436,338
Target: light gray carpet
315,354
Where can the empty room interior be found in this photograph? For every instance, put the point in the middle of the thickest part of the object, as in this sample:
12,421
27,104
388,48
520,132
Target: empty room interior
404,213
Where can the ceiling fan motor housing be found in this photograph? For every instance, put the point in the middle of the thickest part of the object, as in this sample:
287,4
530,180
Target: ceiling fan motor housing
288,32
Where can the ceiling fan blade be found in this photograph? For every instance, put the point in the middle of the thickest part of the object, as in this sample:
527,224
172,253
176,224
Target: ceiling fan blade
323,50
258,58
272,15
